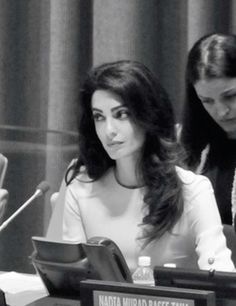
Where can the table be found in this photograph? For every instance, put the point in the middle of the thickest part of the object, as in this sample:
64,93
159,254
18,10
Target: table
21,289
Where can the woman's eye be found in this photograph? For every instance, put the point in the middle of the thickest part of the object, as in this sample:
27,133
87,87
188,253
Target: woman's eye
230,97
207,101
97,117
122,114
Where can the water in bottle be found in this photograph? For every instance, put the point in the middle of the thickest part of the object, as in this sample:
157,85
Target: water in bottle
143,275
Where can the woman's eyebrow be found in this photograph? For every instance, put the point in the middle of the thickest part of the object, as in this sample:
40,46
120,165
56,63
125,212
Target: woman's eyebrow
118,107
96,109
229,91
112,109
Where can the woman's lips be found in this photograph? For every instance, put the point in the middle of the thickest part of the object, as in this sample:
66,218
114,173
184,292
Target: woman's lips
114,144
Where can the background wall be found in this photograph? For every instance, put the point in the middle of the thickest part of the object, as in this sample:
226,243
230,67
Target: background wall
46,48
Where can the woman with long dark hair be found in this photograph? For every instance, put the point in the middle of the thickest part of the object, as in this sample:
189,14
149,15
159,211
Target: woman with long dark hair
126,185
209,118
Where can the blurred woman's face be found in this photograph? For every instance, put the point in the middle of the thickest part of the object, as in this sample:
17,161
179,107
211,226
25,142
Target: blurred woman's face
218,96
119,135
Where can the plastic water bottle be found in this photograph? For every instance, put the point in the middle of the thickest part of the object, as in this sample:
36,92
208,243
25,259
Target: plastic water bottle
143,275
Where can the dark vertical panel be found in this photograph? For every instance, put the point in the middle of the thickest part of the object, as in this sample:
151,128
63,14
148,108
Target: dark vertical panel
6,63
70,59
232,16
21,61
153,32
222,13
26,151
125,30
172,37
46,53
12,63
206,17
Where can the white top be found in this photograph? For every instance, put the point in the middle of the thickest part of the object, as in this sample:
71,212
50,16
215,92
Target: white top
105,208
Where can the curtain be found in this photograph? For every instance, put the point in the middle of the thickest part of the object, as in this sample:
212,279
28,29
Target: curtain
46,47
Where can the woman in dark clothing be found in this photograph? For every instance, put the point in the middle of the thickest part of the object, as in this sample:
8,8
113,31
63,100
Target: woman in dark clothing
209,118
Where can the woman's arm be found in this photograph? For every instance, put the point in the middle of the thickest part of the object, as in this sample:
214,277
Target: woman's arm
206,224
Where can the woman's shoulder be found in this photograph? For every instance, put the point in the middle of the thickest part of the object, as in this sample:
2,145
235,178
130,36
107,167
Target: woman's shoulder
197,189
83,184
189,177
193,183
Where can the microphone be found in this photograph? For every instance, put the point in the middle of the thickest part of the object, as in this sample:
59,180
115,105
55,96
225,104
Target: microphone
42,188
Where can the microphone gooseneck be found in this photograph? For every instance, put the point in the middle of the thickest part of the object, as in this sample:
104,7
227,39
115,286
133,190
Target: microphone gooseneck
40,190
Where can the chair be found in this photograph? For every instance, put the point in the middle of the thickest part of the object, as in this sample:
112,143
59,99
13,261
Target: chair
230,235
3,192
3,168
3,203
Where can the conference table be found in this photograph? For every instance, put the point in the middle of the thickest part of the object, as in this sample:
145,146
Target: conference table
21,289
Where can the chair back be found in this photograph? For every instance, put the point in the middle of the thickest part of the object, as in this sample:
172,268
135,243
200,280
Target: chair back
3,168
3,203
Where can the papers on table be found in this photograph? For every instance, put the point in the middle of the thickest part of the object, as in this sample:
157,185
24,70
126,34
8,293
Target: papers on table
13,282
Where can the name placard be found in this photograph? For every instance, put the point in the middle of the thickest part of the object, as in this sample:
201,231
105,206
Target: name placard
106,298
104,293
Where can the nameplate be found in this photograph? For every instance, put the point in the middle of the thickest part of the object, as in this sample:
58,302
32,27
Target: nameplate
103,293
106,298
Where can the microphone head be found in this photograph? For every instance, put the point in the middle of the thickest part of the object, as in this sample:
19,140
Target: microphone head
43,187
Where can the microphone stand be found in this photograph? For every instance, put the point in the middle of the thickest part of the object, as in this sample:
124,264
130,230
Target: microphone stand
42,188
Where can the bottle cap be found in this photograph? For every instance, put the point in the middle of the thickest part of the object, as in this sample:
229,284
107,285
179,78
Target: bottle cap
170,265
144,261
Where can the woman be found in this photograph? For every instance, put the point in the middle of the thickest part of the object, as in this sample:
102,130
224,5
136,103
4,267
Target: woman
209,120
125,184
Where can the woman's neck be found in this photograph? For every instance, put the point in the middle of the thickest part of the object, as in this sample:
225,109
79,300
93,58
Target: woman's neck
126,173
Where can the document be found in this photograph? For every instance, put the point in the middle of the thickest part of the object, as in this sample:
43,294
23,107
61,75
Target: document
13,282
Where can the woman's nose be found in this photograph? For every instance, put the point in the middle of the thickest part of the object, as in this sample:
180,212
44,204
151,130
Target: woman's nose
222,110
111,128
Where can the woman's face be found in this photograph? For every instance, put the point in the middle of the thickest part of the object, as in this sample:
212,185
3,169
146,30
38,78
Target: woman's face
218,96
119,135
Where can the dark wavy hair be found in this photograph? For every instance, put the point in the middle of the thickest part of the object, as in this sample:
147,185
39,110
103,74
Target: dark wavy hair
150,109
211,57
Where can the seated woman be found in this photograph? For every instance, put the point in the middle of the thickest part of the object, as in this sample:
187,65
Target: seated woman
209,118
126,184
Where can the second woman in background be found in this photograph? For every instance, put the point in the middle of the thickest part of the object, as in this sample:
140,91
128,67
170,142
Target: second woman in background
209,117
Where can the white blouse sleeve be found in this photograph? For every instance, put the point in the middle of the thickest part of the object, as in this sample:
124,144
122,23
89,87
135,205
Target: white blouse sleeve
73,229
205,222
